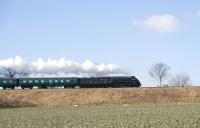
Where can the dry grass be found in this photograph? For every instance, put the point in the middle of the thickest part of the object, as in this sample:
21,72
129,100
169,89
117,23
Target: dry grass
60,97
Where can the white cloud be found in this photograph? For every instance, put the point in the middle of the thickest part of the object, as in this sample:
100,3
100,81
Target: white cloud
159,23
59,66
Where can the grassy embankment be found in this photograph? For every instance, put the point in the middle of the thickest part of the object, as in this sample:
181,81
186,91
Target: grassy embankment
63,97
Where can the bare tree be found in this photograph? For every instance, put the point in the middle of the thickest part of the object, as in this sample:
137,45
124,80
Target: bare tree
180,80
11,73
159,72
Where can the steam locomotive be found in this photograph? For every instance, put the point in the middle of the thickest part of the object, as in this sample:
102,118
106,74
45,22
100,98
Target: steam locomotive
71,82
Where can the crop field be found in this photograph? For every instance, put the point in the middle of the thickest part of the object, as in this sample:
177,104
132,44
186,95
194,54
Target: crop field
104,116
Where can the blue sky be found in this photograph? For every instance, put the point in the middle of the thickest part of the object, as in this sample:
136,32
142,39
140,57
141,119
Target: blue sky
129,33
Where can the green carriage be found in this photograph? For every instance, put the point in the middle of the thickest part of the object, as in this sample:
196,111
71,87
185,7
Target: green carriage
26,83
71,82
8,83
31,82
62,82
48,82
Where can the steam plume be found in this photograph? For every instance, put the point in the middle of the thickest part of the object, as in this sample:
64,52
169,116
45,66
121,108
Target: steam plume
62,65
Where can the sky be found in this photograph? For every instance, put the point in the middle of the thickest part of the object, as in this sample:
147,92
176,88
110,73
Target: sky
129,33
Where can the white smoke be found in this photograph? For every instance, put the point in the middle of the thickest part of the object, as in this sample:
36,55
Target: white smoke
60,66
18,64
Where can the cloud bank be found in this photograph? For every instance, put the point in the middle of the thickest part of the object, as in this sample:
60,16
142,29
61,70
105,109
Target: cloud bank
60,66
159,23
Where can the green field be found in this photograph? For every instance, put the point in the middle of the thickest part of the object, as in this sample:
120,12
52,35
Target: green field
148,115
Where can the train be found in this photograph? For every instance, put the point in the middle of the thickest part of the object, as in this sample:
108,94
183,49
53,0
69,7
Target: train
70,82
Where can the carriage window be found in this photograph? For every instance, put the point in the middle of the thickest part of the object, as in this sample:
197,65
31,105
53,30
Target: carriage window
62,81
42,81
36,81
30,81
67,80
24,81
56,81
50,81
5,81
